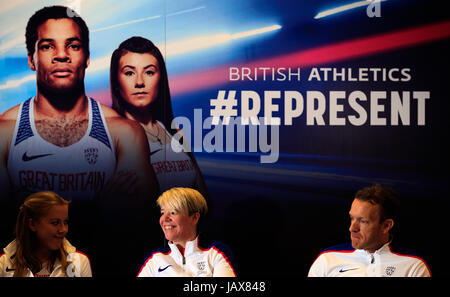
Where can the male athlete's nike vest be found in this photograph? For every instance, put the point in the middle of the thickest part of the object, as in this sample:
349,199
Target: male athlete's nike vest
76,172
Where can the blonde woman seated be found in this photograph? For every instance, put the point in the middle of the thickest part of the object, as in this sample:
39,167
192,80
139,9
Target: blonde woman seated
41,248
186,255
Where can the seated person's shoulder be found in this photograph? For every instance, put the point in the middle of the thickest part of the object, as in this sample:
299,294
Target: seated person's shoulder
402,251
163,251
344,247
208,245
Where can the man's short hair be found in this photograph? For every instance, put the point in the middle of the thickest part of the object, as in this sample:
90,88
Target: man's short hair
54,12
383,196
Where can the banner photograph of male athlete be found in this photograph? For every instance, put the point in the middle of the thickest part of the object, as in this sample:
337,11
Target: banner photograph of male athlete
313,134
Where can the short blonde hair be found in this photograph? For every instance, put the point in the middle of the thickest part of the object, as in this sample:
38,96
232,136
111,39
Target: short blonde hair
184,200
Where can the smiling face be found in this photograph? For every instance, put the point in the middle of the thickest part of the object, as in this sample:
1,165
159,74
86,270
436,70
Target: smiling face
366,230
51,229
59,59
178,227
138,78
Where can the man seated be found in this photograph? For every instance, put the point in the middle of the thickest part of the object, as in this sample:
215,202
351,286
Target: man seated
370,253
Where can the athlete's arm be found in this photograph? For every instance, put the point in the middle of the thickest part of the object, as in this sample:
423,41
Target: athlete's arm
6,131
4,177
133,169
199,181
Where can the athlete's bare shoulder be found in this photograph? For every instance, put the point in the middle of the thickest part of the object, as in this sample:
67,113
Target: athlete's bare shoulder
6,127
10,114
124,127
108,112
7,124
116,122
120,127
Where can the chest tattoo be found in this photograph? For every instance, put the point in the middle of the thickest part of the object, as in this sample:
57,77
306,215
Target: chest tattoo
62,132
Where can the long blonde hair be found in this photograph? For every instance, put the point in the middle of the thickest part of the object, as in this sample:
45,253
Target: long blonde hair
35,207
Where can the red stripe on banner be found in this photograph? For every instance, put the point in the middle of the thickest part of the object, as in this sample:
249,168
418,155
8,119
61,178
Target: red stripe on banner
351,49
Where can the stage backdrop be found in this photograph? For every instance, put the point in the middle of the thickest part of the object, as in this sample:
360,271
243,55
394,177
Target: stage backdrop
289,107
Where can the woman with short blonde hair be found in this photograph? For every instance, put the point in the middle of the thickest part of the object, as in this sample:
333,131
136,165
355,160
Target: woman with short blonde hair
186,255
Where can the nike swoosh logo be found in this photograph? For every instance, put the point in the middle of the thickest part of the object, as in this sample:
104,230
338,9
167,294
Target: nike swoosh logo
9,269
26,158
342,270
162,269
154,152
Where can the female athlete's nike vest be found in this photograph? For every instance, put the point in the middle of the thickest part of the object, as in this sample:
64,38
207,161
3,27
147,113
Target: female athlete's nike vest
173,169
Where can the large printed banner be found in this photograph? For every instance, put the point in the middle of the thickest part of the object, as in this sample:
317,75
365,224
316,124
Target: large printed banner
289,108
